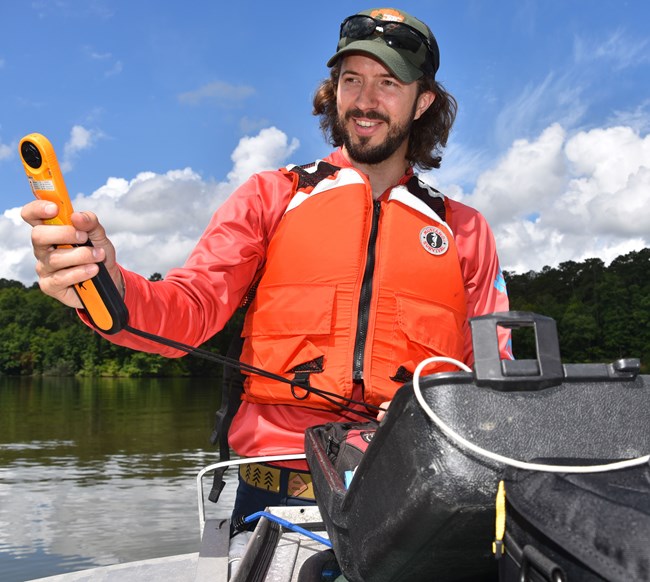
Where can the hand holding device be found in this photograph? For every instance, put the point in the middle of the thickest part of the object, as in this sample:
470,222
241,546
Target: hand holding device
99,295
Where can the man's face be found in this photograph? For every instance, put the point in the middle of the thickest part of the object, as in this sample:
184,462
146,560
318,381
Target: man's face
376,110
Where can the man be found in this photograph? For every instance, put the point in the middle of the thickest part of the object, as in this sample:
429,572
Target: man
359,270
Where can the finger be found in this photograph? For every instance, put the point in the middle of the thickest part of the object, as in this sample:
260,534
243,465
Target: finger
55,259
37,211
67,278
383,408
47,236
88,224
59,284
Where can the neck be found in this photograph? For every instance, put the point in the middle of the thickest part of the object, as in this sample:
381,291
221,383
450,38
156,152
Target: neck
384,174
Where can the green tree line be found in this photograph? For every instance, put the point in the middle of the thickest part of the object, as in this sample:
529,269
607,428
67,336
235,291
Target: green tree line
602,313
39,335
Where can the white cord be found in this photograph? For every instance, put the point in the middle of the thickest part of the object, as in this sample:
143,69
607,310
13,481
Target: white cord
242,461
500,458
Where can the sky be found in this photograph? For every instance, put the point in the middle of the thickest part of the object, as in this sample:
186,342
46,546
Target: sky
159,110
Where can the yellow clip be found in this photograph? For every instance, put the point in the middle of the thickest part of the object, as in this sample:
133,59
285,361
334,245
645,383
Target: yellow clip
497,546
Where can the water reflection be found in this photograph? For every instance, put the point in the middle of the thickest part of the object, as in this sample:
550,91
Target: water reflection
98,472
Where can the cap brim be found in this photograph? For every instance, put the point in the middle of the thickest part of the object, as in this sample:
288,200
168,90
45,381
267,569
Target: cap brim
390,57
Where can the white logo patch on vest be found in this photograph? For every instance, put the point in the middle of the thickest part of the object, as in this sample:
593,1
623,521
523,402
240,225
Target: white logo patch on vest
434,240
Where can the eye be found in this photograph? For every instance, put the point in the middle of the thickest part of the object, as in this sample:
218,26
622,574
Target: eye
390,82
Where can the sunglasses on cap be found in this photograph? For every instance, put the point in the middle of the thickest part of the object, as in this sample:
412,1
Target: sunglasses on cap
396,35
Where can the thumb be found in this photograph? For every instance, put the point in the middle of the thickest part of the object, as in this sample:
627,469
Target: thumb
89,229
384,408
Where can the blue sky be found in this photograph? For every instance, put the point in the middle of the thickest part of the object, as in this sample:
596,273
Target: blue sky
158,110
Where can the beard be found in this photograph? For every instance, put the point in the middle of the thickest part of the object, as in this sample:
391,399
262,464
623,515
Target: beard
360,150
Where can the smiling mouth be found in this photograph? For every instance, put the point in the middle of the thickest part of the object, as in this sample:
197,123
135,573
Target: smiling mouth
366,118
366,123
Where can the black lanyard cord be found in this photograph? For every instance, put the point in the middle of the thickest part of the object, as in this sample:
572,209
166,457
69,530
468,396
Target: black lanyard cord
330,397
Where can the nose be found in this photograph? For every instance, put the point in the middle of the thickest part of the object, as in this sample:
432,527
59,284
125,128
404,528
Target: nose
366,97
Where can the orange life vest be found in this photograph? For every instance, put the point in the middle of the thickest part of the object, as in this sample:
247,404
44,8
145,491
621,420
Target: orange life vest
353,290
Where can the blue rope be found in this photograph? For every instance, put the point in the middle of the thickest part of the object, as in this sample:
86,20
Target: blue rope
288,525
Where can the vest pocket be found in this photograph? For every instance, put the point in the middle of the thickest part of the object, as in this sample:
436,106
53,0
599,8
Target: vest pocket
287,332
425,329
280,310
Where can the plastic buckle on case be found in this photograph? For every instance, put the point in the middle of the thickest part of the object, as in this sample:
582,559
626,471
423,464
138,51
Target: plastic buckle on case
491,371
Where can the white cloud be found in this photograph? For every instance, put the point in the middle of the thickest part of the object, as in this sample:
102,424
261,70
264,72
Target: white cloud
638,118
64,8
611,183
571,91
556,99
610,156
620,49
460,165
217,92
560,197
267,150
107,59
116,69
154,220
17,257
531,174
80,139
98,56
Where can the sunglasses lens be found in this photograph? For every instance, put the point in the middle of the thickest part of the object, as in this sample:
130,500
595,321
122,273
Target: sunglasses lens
402,37
358,27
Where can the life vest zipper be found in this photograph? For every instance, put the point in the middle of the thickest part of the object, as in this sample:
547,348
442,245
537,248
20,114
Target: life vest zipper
365,298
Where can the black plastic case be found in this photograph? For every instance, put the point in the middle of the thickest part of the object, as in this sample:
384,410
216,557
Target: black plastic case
420,507
587,527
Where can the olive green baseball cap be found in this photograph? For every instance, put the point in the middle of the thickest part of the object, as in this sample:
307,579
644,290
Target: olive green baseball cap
404,44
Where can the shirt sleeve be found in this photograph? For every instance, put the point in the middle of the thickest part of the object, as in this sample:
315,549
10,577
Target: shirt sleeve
195,301
485,286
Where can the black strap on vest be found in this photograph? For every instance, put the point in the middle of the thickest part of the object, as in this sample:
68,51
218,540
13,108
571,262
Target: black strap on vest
232,387
309,175
429,195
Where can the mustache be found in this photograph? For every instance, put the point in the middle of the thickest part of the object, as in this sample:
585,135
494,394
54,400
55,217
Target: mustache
355,112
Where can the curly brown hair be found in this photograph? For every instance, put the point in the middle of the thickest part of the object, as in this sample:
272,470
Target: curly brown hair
429,133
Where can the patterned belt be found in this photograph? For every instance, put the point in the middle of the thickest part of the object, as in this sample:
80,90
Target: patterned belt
271,478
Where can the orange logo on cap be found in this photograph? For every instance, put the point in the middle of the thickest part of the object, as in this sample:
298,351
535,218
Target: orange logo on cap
387,14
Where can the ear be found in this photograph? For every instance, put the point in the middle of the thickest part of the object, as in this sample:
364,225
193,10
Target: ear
424,102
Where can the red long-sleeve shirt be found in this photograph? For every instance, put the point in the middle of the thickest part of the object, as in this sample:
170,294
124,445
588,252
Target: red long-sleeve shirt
195,301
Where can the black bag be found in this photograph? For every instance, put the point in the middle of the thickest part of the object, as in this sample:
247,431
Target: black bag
345,444
562,526
420,506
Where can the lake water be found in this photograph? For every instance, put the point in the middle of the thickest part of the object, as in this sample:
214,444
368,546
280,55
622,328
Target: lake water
102,471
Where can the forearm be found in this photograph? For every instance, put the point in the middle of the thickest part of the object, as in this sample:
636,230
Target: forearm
195,301
181,310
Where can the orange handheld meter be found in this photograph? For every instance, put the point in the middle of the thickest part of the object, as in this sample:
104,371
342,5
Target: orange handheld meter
100,297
